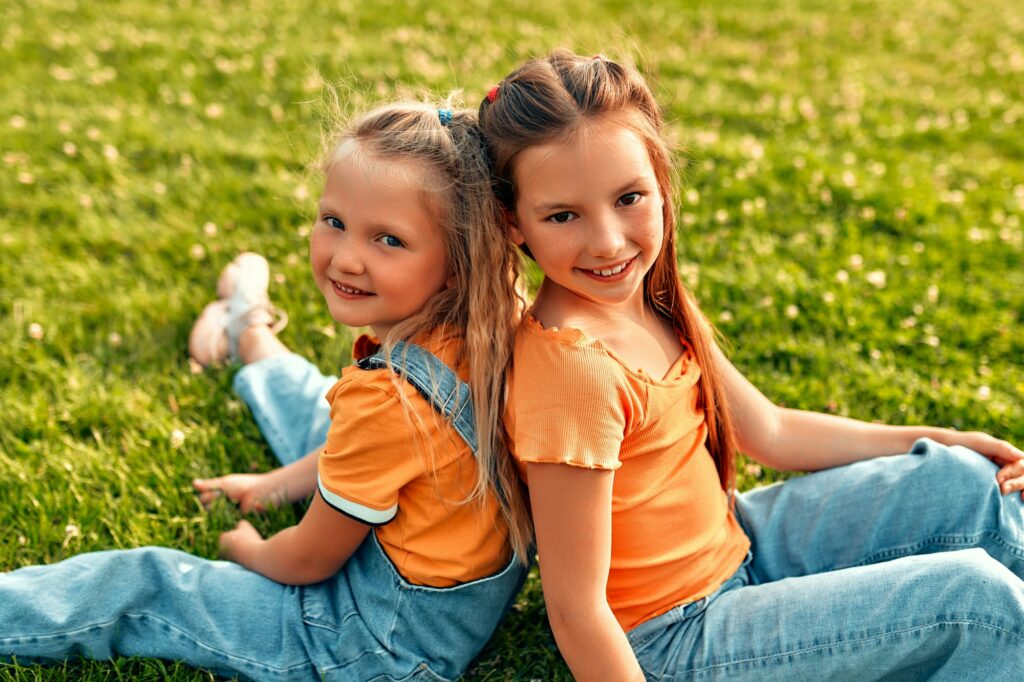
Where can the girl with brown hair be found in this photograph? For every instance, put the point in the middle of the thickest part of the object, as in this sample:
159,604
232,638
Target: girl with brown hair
625,416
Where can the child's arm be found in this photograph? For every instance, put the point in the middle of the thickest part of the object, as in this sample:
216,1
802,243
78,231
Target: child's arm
572,516
255,492
303,554
784,438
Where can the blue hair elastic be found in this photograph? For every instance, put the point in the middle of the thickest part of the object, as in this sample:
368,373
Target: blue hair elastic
445,116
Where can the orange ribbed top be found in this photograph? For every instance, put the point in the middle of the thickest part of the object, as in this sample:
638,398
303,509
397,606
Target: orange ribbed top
572,401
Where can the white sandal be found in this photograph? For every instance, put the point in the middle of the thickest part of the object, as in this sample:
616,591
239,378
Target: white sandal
242,303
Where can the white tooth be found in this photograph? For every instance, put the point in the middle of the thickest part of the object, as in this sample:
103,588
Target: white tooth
606,272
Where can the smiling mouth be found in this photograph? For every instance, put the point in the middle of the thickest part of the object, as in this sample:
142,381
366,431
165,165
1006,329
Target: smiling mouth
611,273
349,292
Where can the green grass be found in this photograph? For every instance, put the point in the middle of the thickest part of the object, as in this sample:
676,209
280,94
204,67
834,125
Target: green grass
851,219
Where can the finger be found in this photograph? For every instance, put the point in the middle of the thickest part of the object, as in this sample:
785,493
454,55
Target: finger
1008,471
206,483
224,543
206,498
1006,452
1012,485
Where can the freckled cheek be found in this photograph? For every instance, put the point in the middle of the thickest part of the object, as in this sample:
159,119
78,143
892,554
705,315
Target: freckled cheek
651,229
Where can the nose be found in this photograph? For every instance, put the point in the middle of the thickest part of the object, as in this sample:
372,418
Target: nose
348,259
606,237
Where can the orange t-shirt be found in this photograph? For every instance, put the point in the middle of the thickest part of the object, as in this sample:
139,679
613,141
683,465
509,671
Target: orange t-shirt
572,401
407,475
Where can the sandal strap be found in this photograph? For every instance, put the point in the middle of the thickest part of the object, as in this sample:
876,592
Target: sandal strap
244,314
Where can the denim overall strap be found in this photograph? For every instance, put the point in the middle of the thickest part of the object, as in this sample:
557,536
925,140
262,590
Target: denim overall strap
435,381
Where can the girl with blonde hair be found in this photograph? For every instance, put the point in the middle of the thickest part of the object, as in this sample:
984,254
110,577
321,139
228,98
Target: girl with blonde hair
406,558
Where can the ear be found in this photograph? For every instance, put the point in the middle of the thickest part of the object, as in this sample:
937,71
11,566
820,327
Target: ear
512,223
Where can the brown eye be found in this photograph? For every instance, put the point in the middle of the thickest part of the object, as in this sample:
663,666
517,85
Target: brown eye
629,199
561,217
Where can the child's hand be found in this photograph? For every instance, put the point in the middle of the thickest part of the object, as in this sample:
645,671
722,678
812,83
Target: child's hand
1009,458
232,542
251,492
1011,478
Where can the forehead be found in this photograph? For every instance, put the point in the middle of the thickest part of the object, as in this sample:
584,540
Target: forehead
603,150
382,191
375,168
355,167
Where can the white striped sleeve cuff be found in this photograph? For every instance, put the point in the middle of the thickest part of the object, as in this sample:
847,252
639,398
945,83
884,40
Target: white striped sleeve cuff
373,517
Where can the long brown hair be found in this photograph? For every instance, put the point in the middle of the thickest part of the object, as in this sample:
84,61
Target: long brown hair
479,304
547,99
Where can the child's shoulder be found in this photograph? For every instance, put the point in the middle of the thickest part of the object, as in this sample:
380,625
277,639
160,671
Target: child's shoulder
564,351
356,381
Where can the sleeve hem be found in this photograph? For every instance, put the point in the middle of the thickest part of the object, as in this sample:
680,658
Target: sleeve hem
356,511
573,463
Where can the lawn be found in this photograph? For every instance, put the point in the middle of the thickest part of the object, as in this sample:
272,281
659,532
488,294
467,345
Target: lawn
850,216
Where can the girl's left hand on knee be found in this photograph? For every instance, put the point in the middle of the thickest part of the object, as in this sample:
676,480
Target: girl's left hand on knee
1011,478
1000,451
1010,459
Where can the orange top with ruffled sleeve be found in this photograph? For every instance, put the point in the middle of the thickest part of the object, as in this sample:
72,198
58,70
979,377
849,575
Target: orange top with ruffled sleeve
572,401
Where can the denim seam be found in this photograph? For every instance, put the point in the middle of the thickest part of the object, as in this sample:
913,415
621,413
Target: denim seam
967,622
170,626
339,628
969,541
339,666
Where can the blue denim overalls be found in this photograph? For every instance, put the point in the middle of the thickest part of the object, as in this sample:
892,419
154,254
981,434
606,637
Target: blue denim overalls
365,623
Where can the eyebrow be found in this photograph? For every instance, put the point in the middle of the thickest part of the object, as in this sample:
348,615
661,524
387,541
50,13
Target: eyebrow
642,180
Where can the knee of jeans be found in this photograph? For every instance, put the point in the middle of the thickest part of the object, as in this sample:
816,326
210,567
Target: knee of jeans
977,579
957,466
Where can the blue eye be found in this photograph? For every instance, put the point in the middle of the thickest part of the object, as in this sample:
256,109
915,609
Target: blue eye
334,222
392,240
629,199
561,218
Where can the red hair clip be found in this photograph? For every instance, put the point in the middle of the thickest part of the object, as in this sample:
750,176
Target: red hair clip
492,94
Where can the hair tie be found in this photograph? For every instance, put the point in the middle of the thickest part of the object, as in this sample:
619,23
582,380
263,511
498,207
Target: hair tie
492,94
444,116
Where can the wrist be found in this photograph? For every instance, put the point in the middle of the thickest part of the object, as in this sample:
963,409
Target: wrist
938,434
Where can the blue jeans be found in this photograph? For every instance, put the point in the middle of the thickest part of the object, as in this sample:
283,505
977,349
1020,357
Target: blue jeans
286,394
365,623
898,568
